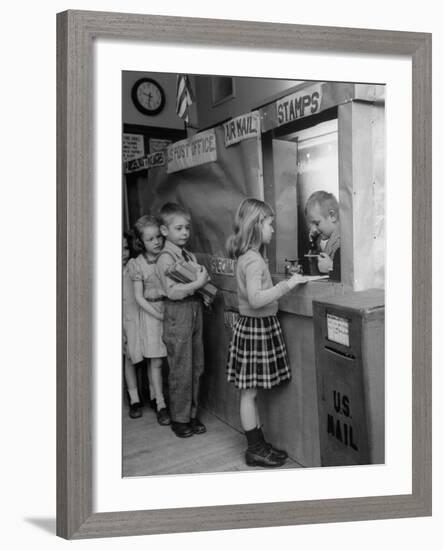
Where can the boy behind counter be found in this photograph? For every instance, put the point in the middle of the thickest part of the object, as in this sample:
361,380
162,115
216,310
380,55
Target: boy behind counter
183,322
322,213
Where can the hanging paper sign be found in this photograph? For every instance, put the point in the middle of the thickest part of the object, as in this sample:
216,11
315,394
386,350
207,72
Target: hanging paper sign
242,127
134,165
298,105
133,147
187,153
155,159
156,145
150,161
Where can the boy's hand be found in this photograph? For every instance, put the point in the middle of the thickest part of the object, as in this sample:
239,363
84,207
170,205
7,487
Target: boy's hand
324,263
313,234
202,276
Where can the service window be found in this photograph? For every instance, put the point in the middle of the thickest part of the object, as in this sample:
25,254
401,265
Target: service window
304,160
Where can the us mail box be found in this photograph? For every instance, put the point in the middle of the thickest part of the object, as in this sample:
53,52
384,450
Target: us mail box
349,350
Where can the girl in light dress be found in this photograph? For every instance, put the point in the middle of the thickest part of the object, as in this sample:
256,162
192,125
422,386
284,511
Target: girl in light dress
132,350
149,296
257,353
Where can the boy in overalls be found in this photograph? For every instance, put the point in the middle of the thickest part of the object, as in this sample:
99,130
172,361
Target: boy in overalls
183,323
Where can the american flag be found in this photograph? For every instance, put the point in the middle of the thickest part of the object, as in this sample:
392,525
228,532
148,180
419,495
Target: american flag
185,97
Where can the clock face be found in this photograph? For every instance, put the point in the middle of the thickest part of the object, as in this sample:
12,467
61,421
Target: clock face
148,96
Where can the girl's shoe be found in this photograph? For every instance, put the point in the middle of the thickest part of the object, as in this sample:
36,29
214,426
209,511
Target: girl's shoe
135,410
163,417
278,453
262,457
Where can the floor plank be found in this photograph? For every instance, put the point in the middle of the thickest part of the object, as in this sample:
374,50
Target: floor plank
151,449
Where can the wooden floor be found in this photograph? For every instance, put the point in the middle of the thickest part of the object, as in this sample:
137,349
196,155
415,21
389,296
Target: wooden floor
151,449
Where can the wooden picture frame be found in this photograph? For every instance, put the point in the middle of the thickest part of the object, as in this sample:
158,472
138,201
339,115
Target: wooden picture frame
76,32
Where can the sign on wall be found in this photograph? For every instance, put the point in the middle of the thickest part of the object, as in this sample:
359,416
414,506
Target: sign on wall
156,144
150,161
133,147
242,127
194,151
298,105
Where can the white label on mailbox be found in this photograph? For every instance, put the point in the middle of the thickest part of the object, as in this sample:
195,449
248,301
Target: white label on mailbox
338,329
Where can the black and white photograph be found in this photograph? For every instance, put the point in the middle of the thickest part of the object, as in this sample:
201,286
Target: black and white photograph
217,280
253,257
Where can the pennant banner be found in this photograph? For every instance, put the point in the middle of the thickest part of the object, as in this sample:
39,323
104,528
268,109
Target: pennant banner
298,105
242,127
154,159
194,151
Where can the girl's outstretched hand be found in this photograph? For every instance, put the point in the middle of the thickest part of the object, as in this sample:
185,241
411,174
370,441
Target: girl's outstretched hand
295,280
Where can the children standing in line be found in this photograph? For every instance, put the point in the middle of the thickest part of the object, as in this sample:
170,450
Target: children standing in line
131,334
149,296
183,323
322,213
257,353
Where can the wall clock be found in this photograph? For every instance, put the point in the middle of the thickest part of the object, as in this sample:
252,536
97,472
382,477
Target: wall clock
148,96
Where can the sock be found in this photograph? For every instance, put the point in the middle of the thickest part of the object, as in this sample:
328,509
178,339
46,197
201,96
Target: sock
133,395
254,438
262,439
261,434
160,403
151,392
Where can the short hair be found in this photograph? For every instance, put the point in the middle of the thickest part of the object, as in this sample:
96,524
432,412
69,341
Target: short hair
325,200
139,225
171,209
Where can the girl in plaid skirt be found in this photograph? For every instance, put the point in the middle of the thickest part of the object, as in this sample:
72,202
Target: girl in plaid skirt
257,352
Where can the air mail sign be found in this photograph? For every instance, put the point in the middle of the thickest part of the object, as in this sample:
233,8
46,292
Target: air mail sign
298,105
242,127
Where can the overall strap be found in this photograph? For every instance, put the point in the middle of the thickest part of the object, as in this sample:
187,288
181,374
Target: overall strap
168,252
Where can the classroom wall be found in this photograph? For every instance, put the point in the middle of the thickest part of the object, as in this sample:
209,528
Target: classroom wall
203,114
248,95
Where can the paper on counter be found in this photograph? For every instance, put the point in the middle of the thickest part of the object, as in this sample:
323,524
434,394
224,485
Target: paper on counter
309,278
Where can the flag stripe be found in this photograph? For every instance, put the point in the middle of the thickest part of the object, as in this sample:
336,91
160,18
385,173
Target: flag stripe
184,97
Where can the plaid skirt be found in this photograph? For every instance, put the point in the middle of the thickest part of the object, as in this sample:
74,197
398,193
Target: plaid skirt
257,353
